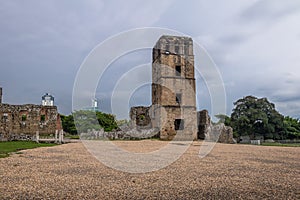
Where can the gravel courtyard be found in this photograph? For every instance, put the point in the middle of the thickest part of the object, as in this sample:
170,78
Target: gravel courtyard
69,171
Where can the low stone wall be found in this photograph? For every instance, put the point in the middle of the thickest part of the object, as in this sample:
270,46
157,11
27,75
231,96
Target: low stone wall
129,134
13,137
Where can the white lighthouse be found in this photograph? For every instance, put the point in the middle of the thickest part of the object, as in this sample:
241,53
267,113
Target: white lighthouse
47,100
94,104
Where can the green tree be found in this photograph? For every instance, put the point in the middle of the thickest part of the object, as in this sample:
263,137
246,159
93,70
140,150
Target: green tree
292,127
224,119
85,120
68,124
253,116
107,121
88,120
123,122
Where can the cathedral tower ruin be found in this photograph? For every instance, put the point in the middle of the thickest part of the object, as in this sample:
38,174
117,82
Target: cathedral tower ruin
173,88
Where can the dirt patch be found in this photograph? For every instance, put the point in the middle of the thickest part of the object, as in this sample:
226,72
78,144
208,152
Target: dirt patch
229,172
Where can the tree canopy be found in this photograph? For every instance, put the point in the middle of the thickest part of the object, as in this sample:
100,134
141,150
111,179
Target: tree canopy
223,119
258,117
88,120
292,127
68,124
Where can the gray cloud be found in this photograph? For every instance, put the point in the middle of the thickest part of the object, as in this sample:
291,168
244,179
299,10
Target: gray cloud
270,10
253,44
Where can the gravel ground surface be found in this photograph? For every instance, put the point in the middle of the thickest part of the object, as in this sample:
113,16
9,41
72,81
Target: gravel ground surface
229,172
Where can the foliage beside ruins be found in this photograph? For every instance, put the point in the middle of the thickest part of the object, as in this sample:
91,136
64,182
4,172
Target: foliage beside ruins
68,124
86,120
254,117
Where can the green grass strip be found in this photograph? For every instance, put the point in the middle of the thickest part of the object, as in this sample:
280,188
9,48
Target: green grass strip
13,146
282,145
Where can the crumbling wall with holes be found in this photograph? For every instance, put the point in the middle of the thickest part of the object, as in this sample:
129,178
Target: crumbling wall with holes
140,117
21,122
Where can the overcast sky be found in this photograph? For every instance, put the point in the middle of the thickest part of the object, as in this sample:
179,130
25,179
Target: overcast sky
254,43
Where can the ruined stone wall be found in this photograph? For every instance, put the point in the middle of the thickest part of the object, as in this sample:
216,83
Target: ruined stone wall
164,92
217,132
204,122
166,122
140,117
226,135
22,121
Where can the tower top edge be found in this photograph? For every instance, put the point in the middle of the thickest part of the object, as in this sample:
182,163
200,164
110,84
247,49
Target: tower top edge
175,37
173,40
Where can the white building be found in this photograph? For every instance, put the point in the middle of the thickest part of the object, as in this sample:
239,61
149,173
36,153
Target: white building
47,100
95,104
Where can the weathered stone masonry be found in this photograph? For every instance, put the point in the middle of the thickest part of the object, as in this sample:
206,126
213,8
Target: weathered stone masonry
140,117
204,122
173,109
217,132
19,122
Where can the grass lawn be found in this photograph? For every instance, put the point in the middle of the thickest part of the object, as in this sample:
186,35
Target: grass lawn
14,146
281,145
73,137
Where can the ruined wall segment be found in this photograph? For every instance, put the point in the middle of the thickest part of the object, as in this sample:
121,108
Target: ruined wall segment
214,132
140,117
23,121
203,123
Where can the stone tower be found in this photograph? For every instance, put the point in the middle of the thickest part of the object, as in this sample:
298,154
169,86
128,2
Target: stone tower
173,88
